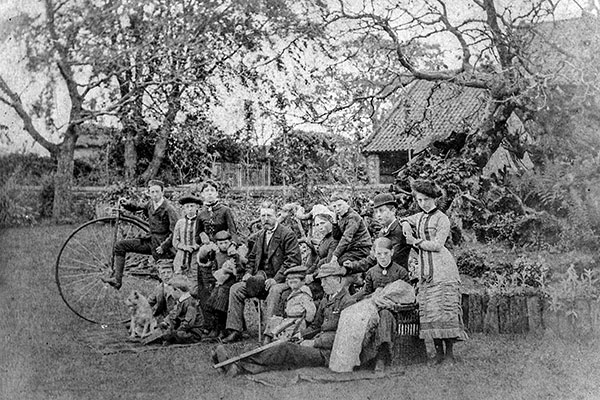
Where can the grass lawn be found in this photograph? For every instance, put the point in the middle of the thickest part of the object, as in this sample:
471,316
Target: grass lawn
41,357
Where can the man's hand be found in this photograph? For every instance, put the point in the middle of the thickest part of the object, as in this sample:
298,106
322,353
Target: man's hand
307,343
246,276
309,279
159,250
269,283
232,250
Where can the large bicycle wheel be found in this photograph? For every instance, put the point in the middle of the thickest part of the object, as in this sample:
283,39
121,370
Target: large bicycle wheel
85,257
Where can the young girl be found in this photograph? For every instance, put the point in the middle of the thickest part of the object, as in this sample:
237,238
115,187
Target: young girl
227,267
439,297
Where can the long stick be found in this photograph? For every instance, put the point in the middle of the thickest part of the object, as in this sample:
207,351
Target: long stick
249,353
115,235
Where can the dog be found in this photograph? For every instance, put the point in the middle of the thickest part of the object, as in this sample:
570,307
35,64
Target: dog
142,322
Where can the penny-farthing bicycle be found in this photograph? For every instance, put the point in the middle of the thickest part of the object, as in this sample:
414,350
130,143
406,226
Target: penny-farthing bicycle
87,255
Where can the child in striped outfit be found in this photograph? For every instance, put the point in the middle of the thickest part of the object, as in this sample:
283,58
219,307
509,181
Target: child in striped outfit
184,240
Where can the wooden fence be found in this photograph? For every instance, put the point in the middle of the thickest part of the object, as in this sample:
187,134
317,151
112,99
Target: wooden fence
497,313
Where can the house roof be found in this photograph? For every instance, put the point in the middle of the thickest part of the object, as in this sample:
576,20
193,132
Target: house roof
427,112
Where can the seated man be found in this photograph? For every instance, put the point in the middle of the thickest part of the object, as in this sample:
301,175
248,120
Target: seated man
385,206
313,352
162,218
276,249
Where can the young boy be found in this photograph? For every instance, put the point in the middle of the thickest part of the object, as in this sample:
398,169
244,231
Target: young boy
183,325
350,229
384,272
184,238
227,267
299,311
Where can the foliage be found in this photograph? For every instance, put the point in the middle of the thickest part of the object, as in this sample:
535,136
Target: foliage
471,263
14,205
525,274
572,288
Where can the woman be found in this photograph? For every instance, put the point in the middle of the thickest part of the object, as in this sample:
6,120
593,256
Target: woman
323,226
439,296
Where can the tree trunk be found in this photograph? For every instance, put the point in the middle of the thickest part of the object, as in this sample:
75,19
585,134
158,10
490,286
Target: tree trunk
130,154
63,178
160,147
483,143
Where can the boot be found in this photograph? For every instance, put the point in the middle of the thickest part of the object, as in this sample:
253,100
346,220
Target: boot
449,352
439,350
116,278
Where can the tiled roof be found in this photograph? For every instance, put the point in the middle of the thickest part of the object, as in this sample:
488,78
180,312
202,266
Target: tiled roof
427,112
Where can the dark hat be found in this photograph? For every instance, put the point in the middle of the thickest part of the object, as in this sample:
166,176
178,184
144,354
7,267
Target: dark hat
426,187
156,182
295,272
383,199
330,269
188,198
206,254
255,285
222,235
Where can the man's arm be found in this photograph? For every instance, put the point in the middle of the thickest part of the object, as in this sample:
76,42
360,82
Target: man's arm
291,255
173,216
347,235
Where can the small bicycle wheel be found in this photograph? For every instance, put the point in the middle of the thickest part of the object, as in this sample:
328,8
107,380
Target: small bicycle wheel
85,257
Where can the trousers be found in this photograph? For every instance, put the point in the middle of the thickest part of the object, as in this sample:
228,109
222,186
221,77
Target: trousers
237,299
286,356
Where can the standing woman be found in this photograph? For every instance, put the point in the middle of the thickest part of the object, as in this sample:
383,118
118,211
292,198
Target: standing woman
439,296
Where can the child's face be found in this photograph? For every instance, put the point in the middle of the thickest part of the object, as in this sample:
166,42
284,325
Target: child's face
190,209
155,193
339,207
425,202
323,226
223,245
294,282
210,194
383,256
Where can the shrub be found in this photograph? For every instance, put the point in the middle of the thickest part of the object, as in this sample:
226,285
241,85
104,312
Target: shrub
15,208
471,263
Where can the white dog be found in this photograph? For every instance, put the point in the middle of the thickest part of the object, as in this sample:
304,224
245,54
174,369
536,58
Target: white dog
142,322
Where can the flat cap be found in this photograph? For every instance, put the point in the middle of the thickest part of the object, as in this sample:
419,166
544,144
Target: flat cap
383,199
295,272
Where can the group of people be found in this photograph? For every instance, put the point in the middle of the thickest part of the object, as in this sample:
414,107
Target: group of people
308,267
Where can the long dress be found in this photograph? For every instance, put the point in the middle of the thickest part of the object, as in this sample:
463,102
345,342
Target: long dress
439,298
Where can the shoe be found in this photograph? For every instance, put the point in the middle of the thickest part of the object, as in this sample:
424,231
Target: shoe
218,356
233,371
234,336
380,366
112,281
213,334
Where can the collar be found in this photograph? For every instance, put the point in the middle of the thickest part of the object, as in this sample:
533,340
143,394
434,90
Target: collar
389,227
191,218
184,297
271,231
434,209
333,296
212,205
160,203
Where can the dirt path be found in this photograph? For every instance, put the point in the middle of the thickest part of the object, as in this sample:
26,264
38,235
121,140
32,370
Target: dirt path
43,359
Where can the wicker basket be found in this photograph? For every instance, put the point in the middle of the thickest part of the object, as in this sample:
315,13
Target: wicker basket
408,348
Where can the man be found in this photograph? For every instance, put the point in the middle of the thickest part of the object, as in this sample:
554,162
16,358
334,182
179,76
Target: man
276,249
385,214
162,217
315,349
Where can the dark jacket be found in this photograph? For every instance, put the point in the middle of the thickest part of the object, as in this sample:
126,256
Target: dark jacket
282,253
401,251
376,279
352,233
161,222
186,316
215,218
328,316
324,253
